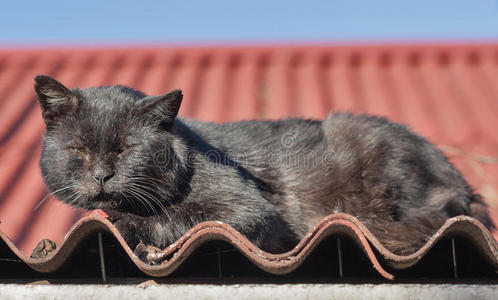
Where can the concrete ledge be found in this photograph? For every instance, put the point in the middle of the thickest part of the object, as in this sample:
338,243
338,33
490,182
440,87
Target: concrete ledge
249,291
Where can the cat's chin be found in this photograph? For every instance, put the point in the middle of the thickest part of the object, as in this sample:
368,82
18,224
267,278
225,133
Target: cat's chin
104,201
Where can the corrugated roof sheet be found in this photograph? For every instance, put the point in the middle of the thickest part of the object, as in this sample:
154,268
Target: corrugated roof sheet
448,93
171,258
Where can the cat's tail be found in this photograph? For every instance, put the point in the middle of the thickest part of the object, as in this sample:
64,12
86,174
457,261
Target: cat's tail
479,209
407,236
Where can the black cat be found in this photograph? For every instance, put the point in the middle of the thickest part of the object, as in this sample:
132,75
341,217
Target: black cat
158,175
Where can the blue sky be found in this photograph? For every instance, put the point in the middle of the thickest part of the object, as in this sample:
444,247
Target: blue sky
214,21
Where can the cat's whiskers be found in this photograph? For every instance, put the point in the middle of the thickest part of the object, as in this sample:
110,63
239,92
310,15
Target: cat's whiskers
147,186
77,198
141,189
145,181
148,182
126,198
145,190
136,193
73,197
133,195
53,193
140,199
145,177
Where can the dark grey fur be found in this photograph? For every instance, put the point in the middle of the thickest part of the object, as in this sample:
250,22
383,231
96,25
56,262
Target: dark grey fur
157,175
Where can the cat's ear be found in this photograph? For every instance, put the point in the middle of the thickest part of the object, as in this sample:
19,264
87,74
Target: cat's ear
54,98
162,110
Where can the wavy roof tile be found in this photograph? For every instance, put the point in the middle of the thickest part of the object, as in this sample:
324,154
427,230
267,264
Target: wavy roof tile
448,93
382,261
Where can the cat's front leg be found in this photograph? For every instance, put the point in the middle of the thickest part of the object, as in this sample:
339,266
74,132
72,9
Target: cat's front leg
133,229
129,226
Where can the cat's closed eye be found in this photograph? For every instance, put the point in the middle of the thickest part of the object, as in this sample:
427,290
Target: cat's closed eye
78,149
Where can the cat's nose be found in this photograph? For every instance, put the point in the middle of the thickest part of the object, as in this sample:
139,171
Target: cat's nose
102,177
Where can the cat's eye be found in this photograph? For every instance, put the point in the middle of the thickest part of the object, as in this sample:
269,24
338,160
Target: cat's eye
77,149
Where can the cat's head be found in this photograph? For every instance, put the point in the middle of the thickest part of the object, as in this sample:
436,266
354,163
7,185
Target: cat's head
99,143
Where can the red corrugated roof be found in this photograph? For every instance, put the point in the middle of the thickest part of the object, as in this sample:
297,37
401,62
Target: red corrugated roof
448,93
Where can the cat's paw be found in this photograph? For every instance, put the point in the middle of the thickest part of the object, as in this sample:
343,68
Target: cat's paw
121,222
43,249
127,228
148,253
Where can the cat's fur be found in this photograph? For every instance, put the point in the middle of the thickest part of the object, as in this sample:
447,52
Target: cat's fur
158,175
